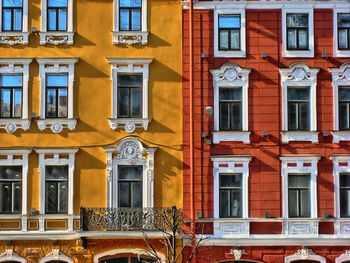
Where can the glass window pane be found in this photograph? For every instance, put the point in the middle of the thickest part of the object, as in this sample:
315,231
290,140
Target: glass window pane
224,203
52,20
136,19
229,21
236,204
123,103
344,20
130,80
299,180
11,80
62,103
136,100
292,39
130,3
230,94
344,116
293,203
136,195
5,103
297,20
304,116
231,180
236,116
17,197
298,94
63,194
224,116
343,38
344,93
235,41
51,103
10,172
344,180
18,20
12,3
62,17
51,197
124,194
344,202
124,19
305,203
6,19
57,172
57,80
303,40
223,38
57,3
17,103
5,197
130,172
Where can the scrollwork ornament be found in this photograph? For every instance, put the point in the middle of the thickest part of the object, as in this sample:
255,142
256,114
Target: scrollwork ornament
347,73
304,252
56,40
11,40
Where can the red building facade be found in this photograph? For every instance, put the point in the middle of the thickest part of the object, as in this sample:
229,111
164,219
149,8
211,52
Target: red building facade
266,129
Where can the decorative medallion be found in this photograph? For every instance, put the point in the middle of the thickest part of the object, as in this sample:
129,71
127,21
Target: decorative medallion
231,74
56,127
10,127
299,73
130,150
130,127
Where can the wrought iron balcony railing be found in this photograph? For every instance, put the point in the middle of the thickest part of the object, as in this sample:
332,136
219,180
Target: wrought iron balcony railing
129,219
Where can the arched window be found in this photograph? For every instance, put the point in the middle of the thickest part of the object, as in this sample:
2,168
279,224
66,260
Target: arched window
122,255
10,257
55,256
343,258
304,255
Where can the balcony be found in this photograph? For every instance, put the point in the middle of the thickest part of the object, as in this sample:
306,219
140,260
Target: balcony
130,219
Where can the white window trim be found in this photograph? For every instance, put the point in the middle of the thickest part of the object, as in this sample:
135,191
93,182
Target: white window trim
14,38
57,65
238,10
130,151
231,75
136,65
300,168
224,165
55,254
57,159
299,74
17,66
340,77
304,254
9,255
136,251
336,52
343,257
302,9
130,37
56,37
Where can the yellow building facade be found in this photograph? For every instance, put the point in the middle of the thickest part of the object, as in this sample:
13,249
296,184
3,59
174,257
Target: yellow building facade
90,127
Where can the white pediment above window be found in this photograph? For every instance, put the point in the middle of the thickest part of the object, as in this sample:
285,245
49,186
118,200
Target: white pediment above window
299,72
230,72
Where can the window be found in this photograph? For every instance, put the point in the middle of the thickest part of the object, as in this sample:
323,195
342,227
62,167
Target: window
230,33
10,189
130,186
55,256
9,256
299,195
341,27
12,15
130,96
129,93
56,189
130,22
230,195
344,194
126,255
298,108
341,102
299,119
56,96
297,32
11,95
130,175
57,15
304,255
56,22
127,259
231,103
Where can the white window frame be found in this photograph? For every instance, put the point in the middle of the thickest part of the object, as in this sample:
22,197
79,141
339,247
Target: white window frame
343,257
136,251
59,158
238,10
304,254
9,255
136,65
17,66
336,52
340,77
55,66
299,75
299,9
56,37
55,254
130,37
130,151
231,164
15,38
231,75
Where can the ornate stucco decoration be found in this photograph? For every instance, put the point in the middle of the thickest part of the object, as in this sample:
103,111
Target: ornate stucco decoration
238,252
56,38
9,255
342,73
57,125
305,252
299,72
130,38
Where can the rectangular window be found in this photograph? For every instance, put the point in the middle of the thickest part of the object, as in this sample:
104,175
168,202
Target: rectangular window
344,195
299,108
130,186
229,32
230,195
57,15
10,189
130,96
297,31
56,96
130,15
230,109
344,108
299,199
343,31
12,15
56,189
11,95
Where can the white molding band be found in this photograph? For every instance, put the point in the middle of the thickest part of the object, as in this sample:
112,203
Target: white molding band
299,75
56,37
56,66
231,75
130,151
230,53
132,65
9,255
54,255
137,251
17,66
130,37
336,52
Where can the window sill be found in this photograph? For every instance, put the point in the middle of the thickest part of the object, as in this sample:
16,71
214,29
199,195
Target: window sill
11,125
129,125
56,125
339,136
298,53
342,53
231,227
231,136
230,54
292,136
342,227
14,38
56,38
300,228
130,37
